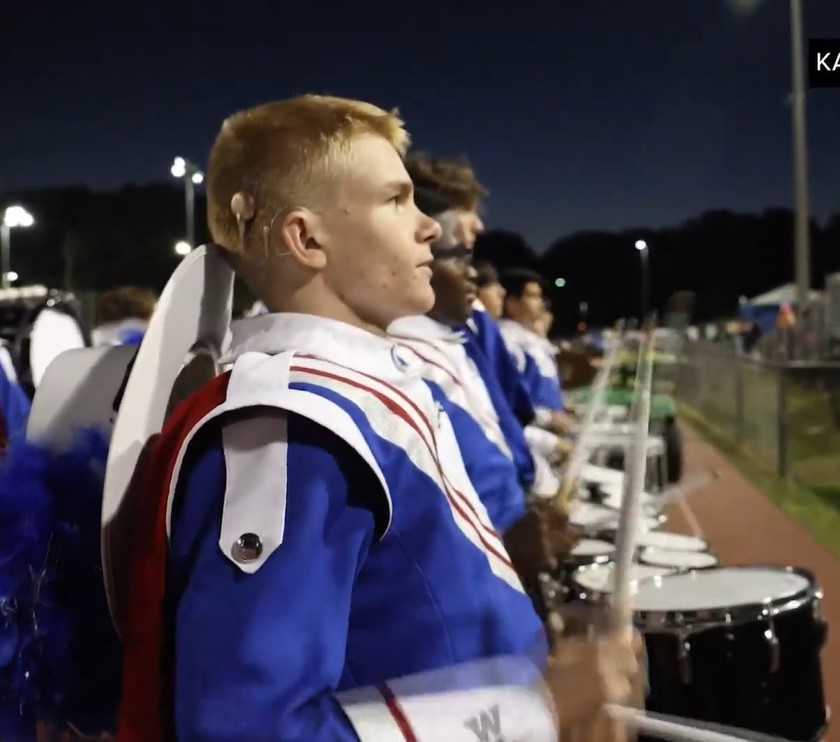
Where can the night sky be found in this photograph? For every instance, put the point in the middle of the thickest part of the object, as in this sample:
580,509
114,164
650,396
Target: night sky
601,114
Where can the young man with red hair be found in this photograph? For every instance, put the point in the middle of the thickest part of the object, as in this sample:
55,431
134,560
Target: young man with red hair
317,565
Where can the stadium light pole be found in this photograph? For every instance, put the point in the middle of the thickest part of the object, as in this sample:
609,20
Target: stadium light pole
642,247
802,244
14,216
192,176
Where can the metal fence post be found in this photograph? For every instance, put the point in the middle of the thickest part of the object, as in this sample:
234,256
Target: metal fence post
739,402
782,423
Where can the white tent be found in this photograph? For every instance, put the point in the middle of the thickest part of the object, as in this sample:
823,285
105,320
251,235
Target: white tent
782,295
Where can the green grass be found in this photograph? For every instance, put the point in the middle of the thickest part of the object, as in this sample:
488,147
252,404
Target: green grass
814,440
814,499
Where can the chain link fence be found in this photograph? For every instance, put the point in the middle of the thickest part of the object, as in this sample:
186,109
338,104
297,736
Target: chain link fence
786,415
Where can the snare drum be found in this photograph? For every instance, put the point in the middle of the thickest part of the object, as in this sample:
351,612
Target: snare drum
602,475
613,497
672,541
737,646
595,582
591,551
587,552
678,560
589,516
598,521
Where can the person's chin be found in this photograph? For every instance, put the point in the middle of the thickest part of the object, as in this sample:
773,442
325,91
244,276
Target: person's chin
421,303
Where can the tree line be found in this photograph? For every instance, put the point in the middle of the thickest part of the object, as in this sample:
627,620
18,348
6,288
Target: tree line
86,240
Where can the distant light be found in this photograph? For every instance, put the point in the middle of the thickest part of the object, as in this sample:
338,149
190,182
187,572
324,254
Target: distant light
183,248
12,276
197,178
179,167
641,245
743,300
584,307
744,8
17,216
559,282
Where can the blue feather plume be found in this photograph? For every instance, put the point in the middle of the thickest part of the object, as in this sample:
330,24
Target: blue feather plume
59,654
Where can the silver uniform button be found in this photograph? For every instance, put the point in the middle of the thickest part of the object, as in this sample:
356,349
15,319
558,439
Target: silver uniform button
247,548
399,360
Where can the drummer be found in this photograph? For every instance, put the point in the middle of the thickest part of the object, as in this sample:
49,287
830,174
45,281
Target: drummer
270,651
492,444
523,329
122,315
446,186
491,293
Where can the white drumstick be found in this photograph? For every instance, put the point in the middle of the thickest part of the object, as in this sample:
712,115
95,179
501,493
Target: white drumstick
634,479
680,492
684,489
584,443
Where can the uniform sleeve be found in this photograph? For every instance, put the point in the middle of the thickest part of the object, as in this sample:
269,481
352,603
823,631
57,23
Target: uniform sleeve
258,656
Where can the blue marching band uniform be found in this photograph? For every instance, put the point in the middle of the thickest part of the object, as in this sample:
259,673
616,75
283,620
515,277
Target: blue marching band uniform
319,552
325,465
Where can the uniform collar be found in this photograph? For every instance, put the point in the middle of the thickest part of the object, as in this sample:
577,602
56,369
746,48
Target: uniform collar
328,339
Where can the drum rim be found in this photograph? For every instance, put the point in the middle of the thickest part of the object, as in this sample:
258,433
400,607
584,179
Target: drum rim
601,596
609,534
695,621
705,550
677,567
596,540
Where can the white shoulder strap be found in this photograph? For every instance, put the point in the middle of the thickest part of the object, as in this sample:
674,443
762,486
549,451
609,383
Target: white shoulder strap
254,514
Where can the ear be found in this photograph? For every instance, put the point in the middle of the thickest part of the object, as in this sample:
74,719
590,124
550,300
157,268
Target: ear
300,233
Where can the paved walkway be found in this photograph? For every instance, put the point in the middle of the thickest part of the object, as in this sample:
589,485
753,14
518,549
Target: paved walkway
743,527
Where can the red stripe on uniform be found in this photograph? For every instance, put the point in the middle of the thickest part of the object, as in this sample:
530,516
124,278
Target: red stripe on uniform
397,713
447,486
145,713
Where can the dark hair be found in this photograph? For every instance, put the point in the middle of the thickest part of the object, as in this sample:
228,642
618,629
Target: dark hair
125,302
443,183
486,273
515,280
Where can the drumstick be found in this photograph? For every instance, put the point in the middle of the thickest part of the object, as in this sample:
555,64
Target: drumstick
676,494
690,518
679,494
583,443
634,478
679,729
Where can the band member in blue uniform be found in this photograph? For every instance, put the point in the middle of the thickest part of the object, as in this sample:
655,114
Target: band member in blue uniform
462,381
316,564
122,315
524,309
491,293
449,190
436,345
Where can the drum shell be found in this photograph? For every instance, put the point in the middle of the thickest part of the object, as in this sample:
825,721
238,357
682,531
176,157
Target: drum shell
726,675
